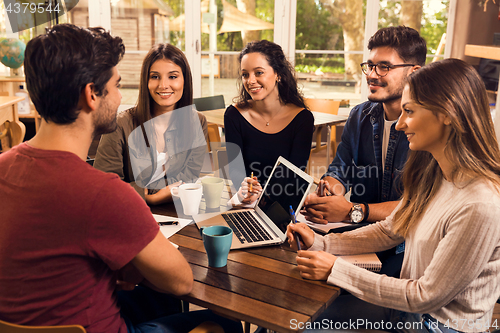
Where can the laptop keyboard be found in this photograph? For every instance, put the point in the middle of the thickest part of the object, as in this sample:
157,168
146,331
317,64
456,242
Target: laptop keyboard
246,227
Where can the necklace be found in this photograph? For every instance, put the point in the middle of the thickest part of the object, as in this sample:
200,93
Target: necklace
267,121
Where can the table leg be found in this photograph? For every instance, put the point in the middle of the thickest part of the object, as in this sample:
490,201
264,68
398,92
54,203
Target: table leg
328,144
185,306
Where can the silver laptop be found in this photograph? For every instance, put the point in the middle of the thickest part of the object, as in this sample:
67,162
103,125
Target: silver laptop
266,224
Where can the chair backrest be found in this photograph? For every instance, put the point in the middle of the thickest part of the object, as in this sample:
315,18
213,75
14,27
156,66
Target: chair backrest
220,162
323,105
11,134
209,103
213,136
6,327
319,136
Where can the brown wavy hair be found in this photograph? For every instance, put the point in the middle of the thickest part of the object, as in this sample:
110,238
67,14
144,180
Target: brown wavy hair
287,86
454,88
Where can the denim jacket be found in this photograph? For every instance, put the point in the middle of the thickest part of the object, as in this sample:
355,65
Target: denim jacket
358,163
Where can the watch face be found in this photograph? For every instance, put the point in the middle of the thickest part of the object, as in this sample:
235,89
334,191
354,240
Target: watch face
356,216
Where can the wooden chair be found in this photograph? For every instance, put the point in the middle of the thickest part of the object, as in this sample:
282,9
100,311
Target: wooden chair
325,106
11,133
213,136
208,327
220,159
5,327
206,104
215,148
209,103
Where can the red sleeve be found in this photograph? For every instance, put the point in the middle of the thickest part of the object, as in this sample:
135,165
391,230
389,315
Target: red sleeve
122,224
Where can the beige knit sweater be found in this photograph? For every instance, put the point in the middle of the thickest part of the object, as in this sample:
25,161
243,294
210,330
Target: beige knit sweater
451,267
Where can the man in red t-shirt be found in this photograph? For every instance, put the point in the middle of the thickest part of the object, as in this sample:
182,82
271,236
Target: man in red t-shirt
69,231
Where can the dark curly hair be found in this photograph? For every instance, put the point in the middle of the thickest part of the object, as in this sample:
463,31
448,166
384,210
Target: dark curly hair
287,86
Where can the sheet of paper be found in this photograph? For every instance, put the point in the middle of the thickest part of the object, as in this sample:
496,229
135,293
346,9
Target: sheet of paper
323,228
169,230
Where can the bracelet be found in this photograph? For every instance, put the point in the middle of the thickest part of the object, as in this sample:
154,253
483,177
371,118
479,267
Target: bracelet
367,212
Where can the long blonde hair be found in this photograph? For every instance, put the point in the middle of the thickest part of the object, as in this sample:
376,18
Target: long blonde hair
453,88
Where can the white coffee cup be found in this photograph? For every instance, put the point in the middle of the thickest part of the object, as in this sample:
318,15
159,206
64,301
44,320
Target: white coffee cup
190,195
212,191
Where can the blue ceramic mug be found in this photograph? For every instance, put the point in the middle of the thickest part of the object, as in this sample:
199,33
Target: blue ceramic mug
217,241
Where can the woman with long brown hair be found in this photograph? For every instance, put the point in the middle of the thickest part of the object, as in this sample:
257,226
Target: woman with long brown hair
163,111
448,215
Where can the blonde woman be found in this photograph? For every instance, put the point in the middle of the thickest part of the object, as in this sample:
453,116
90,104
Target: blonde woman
448,216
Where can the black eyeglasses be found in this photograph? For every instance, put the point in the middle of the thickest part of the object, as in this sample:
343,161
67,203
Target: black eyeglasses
380,69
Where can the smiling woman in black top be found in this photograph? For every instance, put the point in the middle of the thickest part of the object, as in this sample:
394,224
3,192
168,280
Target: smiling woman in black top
269,118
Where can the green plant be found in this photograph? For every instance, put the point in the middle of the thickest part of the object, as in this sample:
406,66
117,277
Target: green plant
300,68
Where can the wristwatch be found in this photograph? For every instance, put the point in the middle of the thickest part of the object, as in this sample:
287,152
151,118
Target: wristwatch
356,214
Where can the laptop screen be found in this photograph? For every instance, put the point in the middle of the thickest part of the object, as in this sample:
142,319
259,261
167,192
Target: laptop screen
284,188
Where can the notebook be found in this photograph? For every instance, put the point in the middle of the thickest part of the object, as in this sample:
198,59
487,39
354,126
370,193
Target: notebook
322,229
266,223
369,261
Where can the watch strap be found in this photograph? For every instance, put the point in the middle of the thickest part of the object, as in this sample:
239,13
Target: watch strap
367,212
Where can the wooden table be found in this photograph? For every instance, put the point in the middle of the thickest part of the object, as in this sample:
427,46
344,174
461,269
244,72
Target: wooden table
320,119
261,286
8,112
11,84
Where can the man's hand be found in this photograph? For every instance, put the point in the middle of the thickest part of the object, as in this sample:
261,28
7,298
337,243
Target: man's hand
128,277
315,265
326,209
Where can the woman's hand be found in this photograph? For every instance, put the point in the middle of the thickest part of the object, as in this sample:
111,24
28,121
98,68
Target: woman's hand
162,196
249,190
315,265
306,235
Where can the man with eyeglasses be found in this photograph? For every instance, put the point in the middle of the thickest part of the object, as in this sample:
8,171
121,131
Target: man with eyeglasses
371,154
